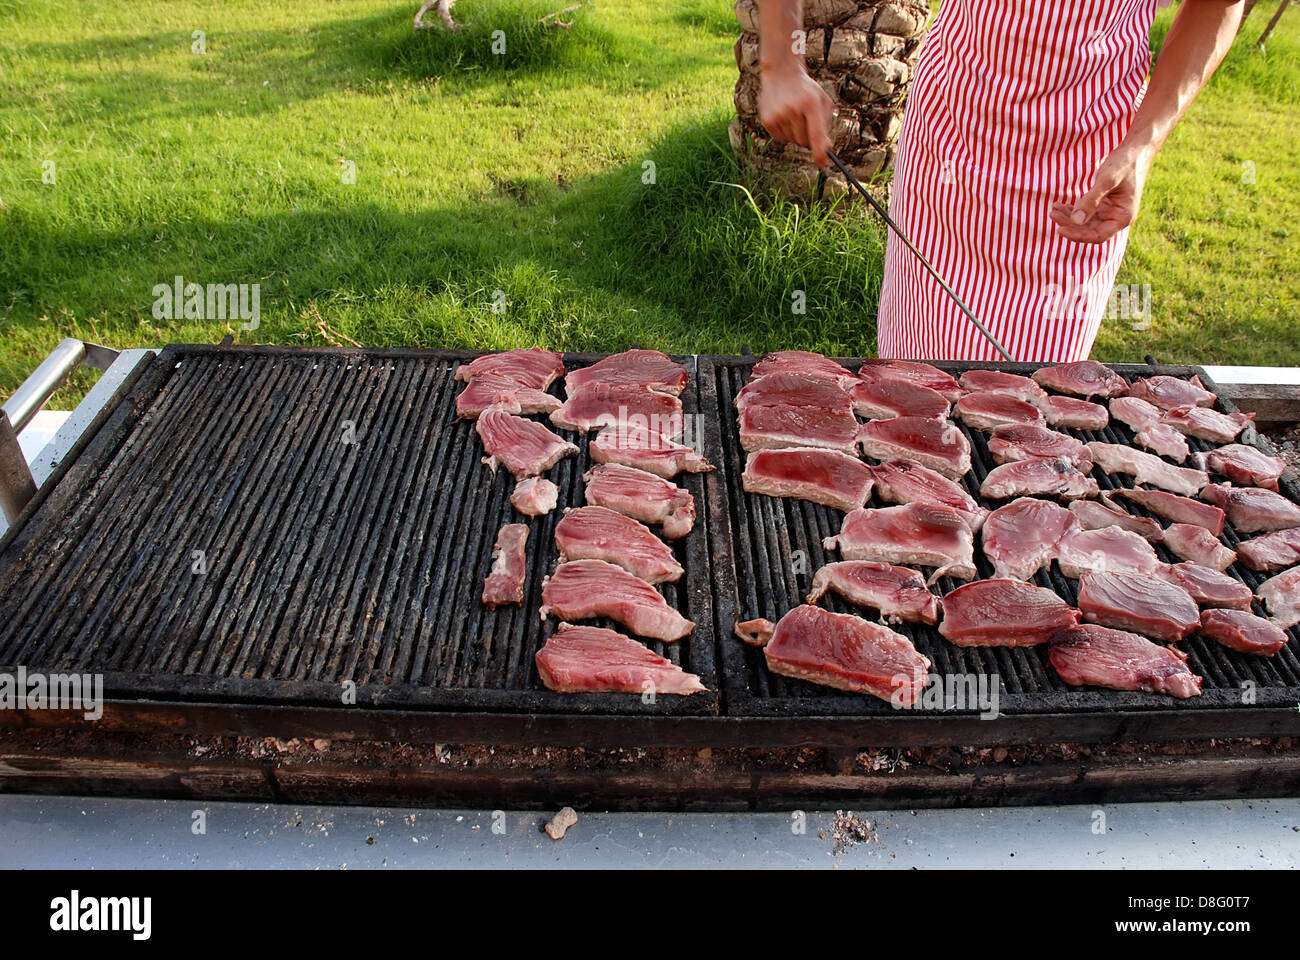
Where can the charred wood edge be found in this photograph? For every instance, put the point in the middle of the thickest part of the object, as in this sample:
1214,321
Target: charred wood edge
1219,772
1273,404
609,731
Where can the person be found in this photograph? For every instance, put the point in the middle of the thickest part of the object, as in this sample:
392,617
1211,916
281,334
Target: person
1030,129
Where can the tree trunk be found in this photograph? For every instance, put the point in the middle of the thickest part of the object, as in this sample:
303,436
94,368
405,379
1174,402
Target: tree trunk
863,53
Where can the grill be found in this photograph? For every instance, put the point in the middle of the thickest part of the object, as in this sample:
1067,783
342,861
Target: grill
766,551
301,526
267,541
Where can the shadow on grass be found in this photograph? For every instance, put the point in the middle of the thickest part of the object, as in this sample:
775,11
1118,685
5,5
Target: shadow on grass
685,260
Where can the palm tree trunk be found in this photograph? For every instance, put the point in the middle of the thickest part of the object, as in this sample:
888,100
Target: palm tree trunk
863,53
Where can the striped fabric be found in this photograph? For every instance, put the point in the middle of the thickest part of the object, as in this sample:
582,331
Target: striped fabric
1014,104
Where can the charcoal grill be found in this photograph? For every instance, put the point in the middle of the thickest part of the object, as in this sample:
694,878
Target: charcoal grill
757,540
305,527
232,564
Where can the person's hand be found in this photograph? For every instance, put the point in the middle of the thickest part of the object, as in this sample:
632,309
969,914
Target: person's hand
794,108
1112,203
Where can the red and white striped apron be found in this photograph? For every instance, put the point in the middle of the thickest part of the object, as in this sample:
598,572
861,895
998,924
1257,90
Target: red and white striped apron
1014,104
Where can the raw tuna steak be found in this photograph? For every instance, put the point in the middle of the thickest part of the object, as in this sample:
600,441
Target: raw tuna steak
490,389
584,589
1163,440
1004,613
881,396
1037,478
1110,548
828,477
1144,420
601,405
1146,468
1073,414
1169,392
1023,536
902,481
535,496
986,411
1138,414
794,390
596,660
922,534
505,583
1171,507
1281,596
1096,516
1253,509
1082,378
1241,630
641,496
534,367
1273,551
1244,465
524,447
598,533
649,369
1209,588
1033,442
802,362
1207,424
1193,542
933,443
774,427
841,651
897,592
995,381
646,450
1095,656
922,374
1130,601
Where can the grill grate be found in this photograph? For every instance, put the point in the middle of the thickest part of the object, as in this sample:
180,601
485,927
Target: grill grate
277,522
767,549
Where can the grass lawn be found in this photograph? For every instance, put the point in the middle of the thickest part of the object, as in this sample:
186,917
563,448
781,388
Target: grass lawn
523,173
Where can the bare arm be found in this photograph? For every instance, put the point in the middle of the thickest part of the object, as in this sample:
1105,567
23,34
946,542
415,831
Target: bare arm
1197,42
790,103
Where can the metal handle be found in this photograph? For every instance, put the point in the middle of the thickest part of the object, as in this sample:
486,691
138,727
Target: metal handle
884,215
16,484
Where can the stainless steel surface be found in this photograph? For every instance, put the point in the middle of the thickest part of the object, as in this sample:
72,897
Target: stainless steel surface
70,832
43,381
52,453
16,484
961,304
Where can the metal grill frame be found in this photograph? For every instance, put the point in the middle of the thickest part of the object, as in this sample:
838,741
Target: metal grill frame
750,690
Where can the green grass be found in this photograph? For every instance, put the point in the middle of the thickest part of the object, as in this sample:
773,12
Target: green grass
523,173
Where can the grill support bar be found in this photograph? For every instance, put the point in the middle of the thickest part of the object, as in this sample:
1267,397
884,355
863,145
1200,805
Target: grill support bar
17,487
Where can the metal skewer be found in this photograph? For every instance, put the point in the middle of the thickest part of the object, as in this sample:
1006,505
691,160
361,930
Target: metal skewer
924,262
